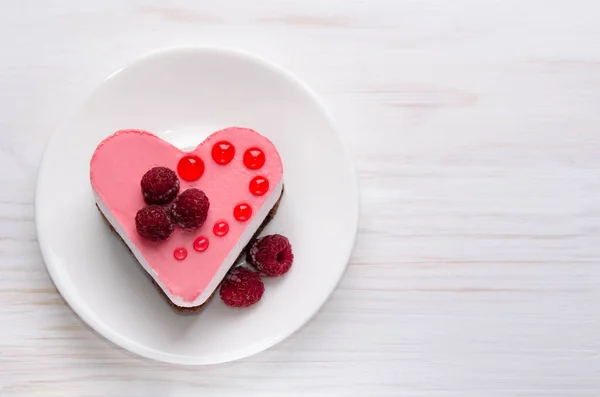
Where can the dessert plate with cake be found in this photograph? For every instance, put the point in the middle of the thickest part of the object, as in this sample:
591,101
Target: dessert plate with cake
198,207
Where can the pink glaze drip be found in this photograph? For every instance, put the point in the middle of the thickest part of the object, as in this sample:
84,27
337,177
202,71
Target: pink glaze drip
254,158
242,212
121,160
201,244
190,168
221,228
180,253
259,185
223,152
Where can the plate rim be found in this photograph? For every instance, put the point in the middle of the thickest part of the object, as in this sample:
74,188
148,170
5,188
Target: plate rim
90,318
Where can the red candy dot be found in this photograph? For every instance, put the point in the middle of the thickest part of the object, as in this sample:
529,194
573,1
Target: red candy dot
221,228
259,185
242,212
190,168
223,152
254,158
180,253
201,244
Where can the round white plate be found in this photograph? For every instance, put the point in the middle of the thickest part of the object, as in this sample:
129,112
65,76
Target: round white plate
183,95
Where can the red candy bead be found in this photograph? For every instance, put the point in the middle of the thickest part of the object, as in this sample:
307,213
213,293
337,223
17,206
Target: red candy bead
223,152
201,244
254,158
259,185
190,167
180,253
221,228
242,212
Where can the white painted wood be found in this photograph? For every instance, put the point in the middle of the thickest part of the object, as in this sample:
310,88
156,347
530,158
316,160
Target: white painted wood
475,129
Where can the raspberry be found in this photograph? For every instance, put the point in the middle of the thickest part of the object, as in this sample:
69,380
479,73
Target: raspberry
160,185
190,208
242,288
153,223
271,255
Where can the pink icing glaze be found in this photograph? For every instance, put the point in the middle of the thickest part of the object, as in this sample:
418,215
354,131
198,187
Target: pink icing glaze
121,160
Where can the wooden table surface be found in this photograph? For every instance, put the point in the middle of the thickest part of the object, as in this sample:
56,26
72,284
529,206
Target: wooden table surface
475,129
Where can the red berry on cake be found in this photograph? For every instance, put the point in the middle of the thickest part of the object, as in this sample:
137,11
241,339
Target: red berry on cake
190,209
153,223
160,185
272,255
242,288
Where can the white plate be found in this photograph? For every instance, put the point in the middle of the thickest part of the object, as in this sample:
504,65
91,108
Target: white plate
182,95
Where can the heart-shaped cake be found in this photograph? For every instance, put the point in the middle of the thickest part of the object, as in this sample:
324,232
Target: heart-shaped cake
232,181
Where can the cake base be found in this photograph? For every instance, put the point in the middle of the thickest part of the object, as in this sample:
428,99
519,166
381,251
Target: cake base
194,309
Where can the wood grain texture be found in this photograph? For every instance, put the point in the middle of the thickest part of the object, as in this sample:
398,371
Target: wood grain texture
475,130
